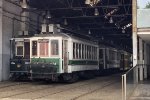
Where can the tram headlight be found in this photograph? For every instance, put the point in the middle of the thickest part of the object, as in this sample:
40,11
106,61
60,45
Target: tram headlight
13,63
54,63
18,65
30,71
27,62
43,66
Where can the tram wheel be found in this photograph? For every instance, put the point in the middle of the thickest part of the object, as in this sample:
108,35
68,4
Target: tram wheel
70,78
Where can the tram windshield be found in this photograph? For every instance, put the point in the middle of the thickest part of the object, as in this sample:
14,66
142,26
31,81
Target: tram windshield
20,49
44,48
34,48
54,47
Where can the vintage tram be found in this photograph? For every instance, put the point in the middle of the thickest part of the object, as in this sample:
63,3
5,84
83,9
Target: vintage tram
20,57
64,57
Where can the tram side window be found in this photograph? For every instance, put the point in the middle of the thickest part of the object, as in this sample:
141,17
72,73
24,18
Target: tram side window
115,55
96,53
87,55
73,50
19,50
83,51
54,47
13,48
77,54
100,53
79,51
87,52
118,56
44,48
90,52
34,48
62,49
110,55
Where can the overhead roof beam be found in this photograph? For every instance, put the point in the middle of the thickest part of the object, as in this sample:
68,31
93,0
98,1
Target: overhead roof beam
97,23
106,6
98,28
114,34
122,15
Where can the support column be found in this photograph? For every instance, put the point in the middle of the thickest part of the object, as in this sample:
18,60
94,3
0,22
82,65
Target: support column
145,60
141,58
134,38
10,11
1,39
148,54
148,60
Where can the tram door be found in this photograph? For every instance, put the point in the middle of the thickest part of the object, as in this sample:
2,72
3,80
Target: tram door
65,57
122,62
101,59
27,49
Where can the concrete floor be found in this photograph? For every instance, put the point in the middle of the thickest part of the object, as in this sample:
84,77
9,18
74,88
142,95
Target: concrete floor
100,88
142,92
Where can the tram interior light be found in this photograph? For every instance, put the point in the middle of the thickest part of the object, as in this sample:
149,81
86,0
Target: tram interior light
48,15
111,20
96,13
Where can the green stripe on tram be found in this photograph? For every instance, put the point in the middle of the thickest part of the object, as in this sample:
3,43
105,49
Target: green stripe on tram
84,62
47,60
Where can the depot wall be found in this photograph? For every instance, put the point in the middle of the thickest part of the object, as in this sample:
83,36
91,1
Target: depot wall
10,24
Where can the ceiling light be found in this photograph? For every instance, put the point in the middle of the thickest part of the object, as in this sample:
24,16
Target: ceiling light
96,13
123,31
87,2
65,22
24,4
117,25
89,32
111,12
48,15
102,38
111,20
105,17
92,2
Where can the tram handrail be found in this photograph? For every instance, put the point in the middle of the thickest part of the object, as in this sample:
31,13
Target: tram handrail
134,67
130,69
124,81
